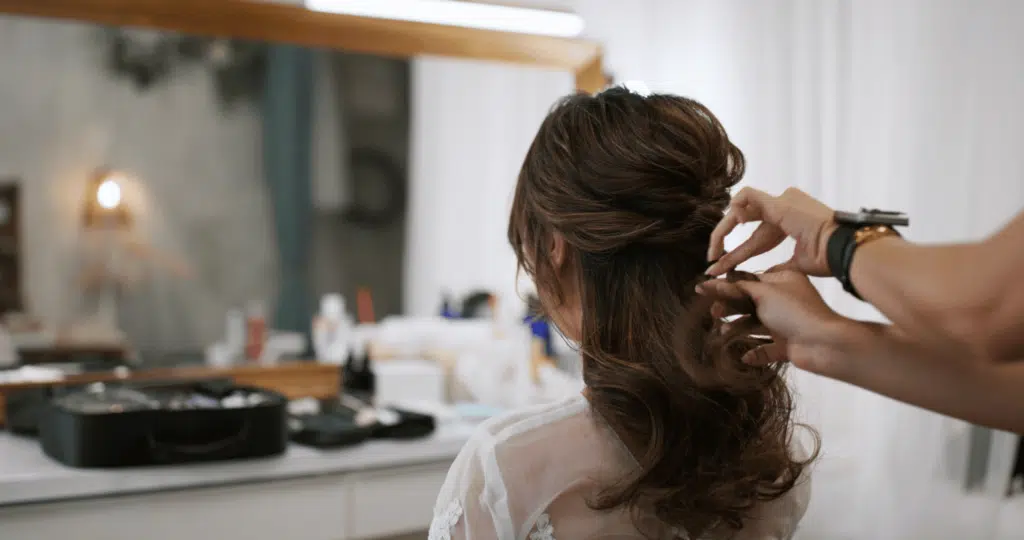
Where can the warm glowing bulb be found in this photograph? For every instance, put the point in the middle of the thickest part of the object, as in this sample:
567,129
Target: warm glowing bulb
108,195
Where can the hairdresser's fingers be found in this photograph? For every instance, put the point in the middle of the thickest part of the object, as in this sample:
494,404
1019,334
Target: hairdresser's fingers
740,211
751,327
748,326
729,298
748,205
725,295
754,201
765,355
778,275
790,265
755,289
719,289
765,238
716,246
721,309
771,286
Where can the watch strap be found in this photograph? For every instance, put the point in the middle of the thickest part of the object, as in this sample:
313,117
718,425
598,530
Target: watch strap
843,244
841,238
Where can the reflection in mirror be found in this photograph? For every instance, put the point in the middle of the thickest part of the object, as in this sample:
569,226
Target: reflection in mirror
163,182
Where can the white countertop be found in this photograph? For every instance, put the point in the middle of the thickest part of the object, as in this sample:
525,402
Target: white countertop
29,476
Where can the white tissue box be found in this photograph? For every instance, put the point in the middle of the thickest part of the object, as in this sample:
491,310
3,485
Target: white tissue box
409,380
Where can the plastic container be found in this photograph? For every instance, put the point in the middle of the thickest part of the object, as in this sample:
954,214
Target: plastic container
332,331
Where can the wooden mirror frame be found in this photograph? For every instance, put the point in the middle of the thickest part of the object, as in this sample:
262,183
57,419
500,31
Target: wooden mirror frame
264,20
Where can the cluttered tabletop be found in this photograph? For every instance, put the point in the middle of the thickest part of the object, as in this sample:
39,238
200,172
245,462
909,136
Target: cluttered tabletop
92,437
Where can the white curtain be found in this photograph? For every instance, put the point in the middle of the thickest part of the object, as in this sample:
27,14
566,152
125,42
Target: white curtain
912,105
471,125
931,122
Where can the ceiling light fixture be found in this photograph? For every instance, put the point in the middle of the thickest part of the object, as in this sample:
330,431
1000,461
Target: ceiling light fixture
457,13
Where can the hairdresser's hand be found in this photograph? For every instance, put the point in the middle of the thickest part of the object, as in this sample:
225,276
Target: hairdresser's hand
792,311
793,214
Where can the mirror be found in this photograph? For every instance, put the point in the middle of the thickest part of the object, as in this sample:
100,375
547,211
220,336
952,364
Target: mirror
184,165
160,183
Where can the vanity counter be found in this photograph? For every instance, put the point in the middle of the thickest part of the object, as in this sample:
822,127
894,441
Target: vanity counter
334,494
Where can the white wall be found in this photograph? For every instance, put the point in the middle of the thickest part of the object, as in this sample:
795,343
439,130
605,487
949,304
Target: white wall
911,105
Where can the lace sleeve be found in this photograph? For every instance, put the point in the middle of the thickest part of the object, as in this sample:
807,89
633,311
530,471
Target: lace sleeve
471,504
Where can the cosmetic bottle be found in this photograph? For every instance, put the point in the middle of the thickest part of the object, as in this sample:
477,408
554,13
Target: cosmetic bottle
255,332
446,308
358,377
332,330
234,335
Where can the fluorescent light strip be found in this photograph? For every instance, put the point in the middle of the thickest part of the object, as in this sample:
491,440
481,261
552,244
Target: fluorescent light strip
455,13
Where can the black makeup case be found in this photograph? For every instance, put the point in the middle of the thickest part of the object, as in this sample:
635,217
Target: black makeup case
337,426
324,430
407,425
156,424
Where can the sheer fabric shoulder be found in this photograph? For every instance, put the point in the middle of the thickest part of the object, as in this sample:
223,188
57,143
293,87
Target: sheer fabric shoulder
489,489
529,474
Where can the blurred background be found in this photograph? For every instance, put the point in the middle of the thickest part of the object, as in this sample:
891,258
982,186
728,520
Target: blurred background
242,177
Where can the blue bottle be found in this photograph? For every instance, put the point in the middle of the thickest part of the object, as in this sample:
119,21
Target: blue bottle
540,328
446,308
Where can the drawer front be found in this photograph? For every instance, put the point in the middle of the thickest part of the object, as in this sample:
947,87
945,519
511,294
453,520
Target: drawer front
310,509
394,501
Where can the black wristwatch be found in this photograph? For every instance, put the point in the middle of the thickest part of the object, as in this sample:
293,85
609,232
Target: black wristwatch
854,230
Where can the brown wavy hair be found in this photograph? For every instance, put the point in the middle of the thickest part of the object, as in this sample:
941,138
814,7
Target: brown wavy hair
635,185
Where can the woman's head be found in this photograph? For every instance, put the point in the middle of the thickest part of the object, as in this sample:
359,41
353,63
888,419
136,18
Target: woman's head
613,211
619,180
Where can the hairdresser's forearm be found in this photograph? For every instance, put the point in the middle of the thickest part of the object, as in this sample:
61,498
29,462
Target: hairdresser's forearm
968,296
882,359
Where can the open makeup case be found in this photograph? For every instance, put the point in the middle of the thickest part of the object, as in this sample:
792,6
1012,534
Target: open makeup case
126,424
120,425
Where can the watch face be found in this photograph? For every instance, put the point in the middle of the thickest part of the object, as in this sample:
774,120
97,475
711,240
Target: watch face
873,217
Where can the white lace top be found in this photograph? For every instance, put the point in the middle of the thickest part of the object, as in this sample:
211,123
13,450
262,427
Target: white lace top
529,474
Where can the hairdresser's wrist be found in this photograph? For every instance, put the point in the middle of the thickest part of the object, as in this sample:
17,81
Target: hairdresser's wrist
821,267
835,350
